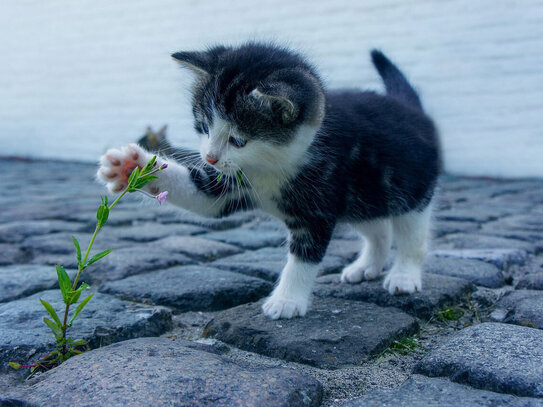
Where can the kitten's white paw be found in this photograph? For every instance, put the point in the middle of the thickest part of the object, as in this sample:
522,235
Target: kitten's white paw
116,165
356,272
403,282
277,307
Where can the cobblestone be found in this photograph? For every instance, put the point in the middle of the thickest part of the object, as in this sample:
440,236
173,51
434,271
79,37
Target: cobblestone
190,288
106,319
438,292
359,342
491,356
334,332
156,372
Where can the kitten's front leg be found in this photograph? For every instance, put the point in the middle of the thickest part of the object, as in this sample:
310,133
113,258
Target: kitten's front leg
186,188
292,295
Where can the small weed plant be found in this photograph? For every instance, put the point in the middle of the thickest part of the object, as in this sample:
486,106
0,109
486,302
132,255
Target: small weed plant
71,291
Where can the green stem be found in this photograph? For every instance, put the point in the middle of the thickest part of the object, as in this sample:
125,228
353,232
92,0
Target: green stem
118,199
64,329
80,268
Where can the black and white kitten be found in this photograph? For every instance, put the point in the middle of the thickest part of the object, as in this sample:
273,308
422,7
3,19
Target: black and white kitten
308,156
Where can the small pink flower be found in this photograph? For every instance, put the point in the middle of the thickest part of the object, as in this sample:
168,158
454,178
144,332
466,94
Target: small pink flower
162,197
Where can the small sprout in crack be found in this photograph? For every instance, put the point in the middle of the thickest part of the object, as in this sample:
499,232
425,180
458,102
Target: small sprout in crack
70,291
449,314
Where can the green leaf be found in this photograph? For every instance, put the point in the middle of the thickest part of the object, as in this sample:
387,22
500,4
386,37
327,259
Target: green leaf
142,181
74,295
78,249
104,200
102,215
14,365
220,176
240,179
149,166
64,283
79,342
56,330
51,312
78,310
98,256
133,176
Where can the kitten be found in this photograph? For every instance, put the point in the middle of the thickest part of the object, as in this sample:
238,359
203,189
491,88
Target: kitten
155,141
310,156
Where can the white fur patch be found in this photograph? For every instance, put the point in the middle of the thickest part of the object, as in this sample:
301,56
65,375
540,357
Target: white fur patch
265,166
411,234
378,239
292,296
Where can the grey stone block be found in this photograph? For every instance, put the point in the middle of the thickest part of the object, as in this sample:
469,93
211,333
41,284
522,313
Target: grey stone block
176,215
268,262
437,292
24,279
531,281
334,333
491,356
120,216
191,288
11,254
522,307
501,258
446,227
61,243
519,222
481,241
104,320
131,261
163,372
68,261
471,214
249,239
422,391
194,247
149,231
17,231
478,272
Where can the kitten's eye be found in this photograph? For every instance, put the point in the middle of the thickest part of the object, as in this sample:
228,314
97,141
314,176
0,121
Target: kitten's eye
237,142
205,129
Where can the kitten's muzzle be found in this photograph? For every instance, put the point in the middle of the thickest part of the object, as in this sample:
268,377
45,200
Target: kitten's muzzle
211,159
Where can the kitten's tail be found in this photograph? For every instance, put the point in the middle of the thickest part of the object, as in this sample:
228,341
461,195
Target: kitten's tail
396,84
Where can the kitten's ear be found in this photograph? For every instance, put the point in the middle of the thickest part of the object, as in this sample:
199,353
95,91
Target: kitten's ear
278,105
198,62
162,131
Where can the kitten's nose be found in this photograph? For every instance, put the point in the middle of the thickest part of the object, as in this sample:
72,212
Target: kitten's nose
211,159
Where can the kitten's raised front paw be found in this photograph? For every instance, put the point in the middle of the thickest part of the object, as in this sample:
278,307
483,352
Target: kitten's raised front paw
277,307
356,272
400,282
116,165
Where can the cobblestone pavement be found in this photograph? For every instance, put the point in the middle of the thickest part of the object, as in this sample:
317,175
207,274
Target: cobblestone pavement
176,318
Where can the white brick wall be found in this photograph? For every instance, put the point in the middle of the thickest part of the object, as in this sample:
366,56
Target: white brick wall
79,76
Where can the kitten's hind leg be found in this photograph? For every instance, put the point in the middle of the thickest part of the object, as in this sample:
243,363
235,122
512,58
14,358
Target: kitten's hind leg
411,232
377,241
